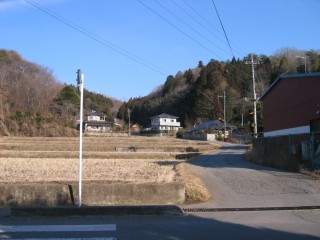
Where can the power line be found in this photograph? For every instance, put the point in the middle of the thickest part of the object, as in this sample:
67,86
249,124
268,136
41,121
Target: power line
153,11
193,29
225,34
178,29
209,23
98,39
197,21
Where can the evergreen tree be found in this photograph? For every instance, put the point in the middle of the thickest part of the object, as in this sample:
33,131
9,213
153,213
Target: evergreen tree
169,85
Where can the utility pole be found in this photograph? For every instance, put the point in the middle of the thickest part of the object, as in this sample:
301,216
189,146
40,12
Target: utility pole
129,132
255,129
80,79
305,62
224,112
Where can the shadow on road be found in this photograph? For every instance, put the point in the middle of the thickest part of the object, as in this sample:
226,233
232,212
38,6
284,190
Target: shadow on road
229,156
168,227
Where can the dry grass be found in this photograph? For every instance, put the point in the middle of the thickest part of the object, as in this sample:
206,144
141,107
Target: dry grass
56,160
66,170
196,191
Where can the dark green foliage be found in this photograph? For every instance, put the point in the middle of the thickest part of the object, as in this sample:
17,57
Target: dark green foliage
188,75
169,85
68,94
98,102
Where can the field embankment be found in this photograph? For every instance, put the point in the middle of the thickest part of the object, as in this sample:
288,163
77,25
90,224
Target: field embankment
106,160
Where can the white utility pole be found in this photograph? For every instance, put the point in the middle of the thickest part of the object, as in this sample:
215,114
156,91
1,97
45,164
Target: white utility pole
80,79
255,129
305,63
224,112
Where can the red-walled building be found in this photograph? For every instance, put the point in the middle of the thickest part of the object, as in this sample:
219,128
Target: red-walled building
291,105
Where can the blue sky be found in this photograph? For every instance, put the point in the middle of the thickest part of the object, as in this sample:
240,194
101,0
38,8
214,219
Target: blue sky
162,36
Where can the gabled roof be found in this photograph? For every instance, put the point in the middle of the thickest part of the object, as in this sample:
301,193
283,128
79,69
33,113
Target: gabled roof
283,76
214,123
217,124
94,113
164,115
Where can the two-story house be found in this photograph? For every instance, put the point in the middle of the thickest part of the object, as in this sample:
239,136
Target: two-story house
96,122
165,122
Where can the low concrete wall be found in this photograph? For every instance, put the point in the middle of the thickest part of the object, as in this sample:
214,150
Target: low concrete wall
201,137
93,194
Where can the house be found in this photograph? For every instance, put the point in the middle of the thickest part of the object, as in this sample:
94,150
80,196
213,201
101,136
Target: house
165,122
96,122
214,124
118,123
291,105
135,128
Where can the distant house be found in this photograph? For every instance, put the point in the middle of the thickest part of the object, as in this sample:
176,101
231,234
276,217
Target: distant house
165,122
96,122
214,124
118,123
135,128
291,105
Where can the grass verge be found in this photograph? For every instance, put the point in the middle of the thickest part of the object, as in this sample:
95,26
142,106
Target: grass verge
195,191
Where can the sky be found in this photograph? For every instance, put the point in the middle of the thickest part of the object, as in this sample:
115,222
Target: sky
127,48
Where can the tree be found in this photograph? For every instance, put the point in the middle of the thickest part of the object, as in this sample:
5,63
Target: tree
314,61
188,75
200,64
169,85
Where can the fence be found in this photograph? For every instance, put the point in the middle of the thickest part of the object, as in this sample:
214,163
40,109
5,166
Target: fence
242,138
288,152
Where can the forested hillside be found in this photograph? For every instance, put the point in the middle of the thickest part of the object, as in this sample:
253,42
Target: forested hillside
34,103
192,94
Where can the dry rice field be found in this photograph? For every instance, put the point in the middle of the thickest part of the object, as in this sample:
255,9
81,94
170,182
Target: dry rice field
105,159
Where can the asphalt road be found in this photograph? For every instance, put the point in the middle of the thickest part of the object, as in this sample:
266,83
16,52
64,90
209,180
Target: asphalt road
234,183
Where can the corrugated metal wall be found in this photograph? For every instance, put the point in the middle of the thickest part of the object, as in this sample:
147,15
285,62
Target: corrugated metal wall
292,102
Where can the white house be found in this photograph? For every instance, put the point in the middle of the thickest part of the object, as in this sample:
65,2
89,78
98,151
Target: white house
165,122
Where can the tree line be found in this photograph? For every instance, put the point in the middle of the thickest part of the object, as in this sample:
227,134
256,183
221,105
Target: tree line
193,94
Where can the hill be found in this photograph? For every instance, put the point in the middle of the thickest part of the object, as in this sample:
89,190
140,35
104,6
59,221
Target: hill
34,103
193,94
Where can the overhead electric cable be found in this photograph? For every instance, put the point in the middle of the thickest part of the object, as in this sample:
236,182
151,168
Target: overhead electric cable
98,39
225,34
197,21
149,8
188,25
153,11
178,29
204,19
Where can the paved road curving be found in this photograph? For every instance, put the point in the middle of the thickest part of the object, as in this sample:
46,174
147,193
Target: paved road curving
236,183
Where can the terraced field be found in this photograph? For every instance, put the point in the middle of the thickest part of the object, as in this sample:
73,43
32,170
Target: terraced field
105,159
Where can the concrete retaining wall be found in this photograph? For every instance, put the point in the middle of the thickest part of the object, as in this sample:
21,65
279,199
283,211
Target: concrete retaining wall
93,194
201,137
